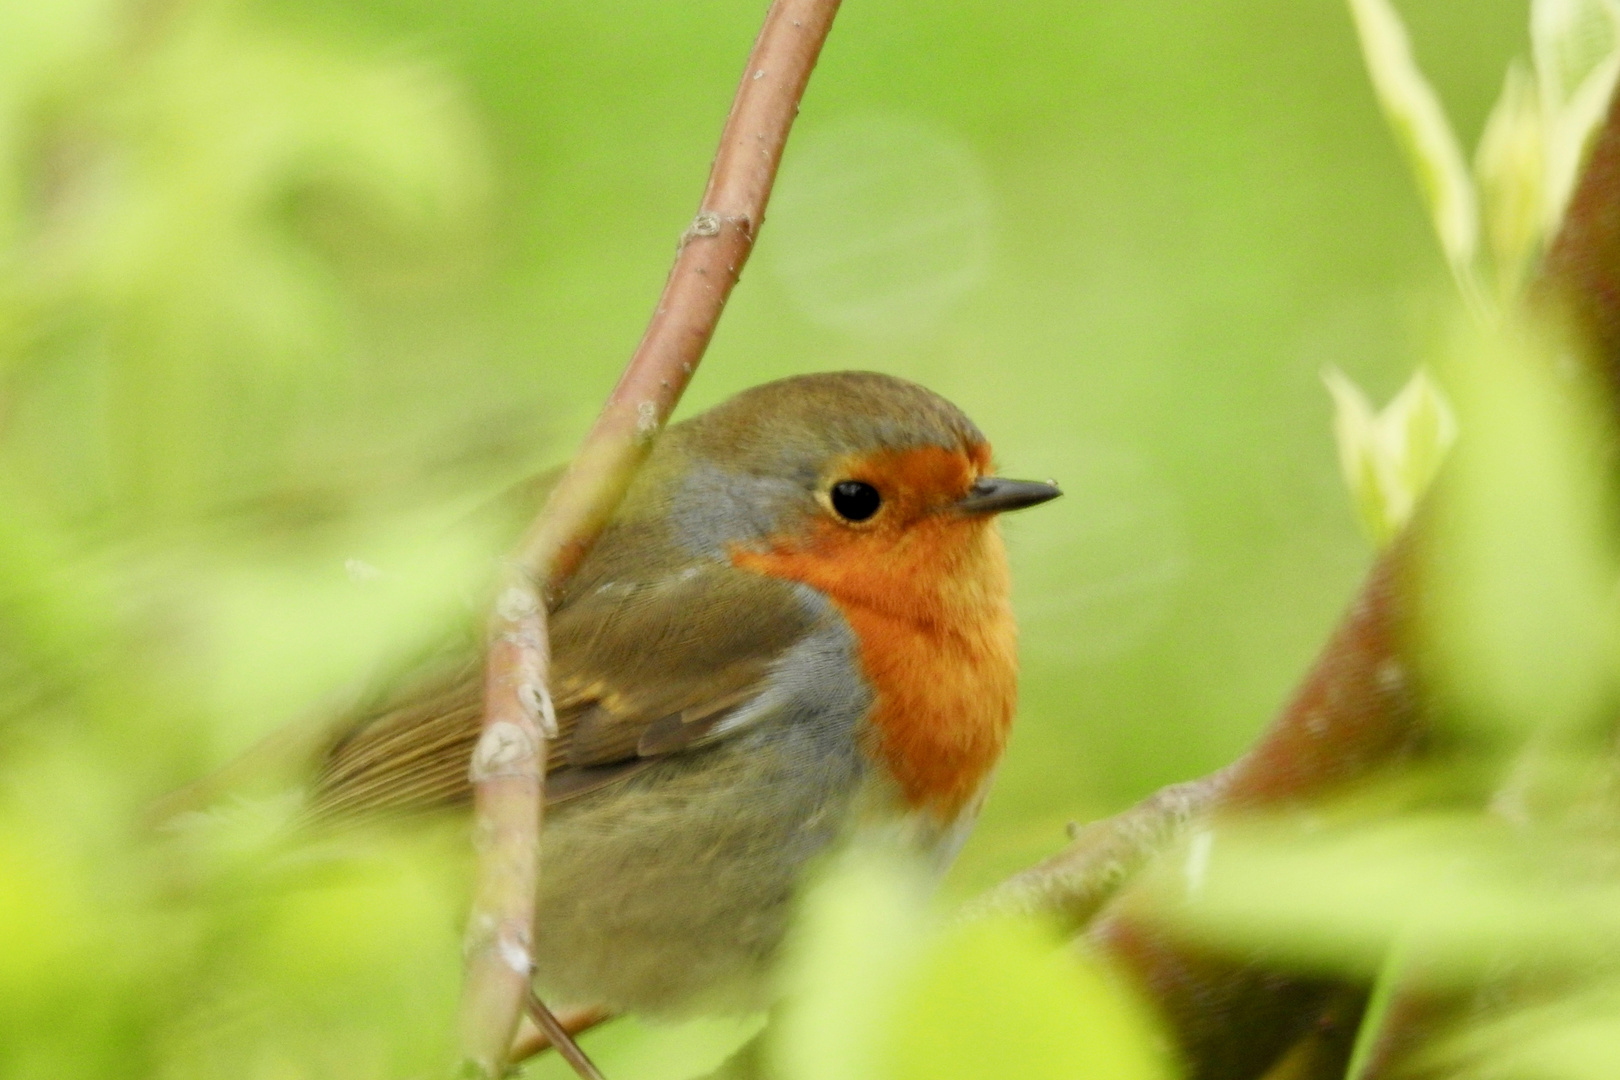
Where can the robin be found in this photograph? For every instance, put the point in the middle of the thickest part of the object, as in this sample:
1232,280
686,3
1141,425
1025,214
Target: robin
795,629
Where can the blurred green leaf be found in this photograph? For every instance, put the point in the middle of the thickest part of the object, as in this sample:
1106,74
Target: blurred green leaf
876,988
861,929
166,257
1005,998
1464,896
1520,567
1573,1036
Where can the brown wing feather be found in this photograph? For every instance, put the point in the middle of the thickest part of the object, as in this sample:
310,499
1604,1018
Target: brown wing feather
640,670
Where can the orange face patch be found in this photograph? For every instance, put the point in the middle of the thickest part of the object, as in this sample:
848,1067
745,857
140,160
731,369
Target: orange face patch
926,592
918,482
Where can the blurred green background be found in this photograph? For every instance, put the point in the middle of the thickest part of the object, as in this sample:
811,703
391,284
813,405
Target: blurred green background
287,288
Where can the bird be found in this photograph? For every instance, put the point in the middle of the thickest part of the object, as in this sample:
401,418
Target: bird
795,631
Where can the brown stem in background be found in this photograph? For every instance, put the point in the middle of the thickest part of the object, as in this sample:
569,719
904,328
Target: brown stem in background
1581,273
508,762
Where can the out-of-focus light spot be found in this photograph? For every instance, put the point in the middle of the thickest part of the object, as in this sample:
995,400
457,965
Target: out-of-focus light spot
1099,579
880,224
360,571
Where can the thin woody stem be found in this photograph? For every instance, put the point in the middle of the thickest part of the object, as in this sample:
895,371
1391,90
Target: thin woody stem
558,1034
1074,884
507,764
531,1040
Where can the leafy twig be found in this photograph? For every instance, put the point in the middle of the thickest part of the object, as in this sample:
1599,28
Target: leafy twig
1580,281
1357,710
508,763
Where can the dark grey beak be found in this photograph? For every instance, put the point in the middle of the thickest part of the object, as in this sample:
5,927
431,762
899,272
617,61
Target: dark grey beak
993,495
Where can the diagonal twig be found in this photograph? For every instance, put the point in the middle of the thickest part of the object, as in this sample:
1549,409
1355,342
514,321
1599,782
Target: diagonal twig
1073,885
531,1040
557,1033
508,763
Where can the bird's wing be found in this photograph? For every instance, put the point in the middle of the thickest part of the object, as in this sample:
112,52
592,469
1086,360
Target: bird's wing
639,670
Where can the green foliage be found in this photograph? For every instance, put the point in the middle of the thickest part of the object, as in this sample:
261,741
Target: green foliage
1534,142
1006,999
286,290
170,306
879,989
1481,887
1521,606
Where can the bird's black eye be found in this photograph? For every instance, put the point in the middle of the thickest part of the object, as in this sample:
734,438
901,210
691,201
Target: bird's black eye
855,501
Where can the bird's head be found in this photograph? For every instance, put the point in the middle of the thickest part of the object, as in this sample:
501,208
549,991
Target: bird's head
854,482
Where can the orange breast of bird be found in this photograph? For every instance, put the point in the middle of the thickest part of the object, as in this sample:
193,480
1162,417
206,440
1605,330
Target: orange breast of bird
927,596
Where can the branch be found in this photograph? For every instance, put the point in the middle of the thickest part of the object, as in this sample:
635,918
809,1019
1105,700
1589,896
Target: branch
531,1040
1355,711
507,764
1074,884
560,1035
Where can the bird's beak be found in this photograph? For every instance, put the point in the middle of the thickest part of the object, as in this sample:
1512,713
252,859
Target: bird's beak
993,495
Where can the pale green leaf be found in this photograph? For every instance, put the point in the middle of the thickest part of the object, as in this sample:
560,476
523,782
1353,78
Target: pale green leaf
1511,164
1569,39
1355,430
1571,1036
1418,428
1389,458
1419,122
